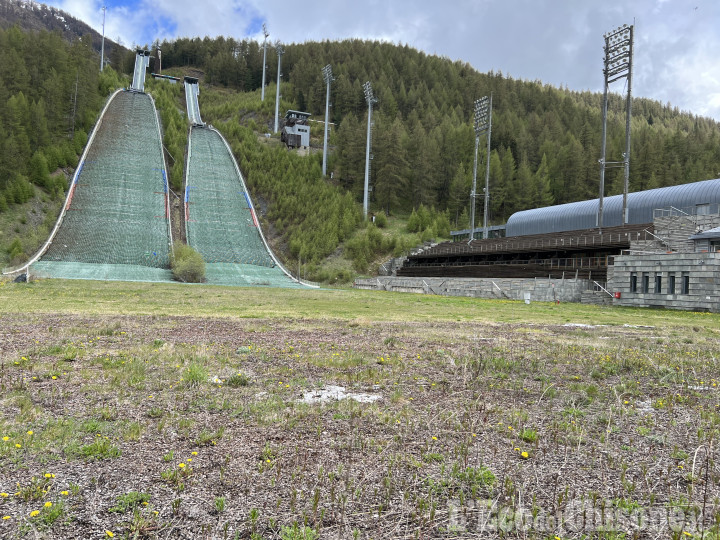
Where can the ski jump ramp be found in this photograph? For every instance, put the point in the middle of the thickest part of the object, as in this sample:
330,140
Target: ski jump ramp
115,222
221,222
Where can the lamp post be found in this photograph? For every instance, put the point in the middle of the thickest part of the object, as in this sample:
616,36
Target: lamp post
482,115
327,75
617,64
280,52
102,47
266,34
371,99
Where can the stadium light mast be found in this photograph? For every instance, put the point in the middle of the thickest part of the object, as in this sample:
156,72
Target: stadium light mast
280,52
266,34
482,124
102,47
371,99
617,64
327,75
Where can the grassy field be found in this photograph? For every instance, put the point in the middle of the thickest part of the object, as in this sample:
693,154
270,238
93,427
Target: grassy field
169,411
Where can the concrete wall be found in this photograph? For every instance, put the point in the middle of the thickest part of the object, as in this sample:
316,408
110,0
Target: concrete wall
539,290
702,269
676,230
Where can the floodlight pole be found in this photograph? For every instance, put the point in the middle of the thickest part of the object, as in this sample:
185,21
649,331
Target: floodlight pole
370,98
102,47
474,187
487,172
603,148
280,52
628,116
327,75
617,64
266,34
482,115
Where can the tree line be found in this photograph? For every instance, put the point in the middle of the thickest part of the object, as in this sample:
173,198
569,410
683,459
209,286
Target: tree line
51,92
545,141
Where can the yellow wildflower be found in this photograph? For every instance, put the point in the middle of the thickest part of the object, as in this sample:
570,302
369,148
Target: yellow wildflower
34,513
48,504
181,465
109,534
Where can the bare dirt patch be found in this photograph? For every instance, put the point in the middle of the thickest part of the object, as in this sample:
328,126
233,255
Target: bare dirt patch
481,430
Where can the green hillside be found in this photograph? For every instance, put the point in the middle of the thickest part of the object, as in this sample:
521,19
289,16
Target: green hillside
545,141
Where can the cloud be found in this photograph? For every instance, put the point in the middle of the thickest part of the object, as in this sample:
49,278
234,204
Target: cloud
556,41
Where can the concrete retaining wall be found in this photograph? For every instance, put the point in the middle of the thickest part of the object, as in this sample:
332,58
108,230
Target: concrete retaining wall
539,290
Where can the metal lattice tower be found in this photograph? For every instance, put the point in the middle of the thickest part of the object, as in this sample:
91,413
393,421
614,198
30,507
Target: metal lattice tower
371,99
280,52
617,64
266,34
328,76
482,124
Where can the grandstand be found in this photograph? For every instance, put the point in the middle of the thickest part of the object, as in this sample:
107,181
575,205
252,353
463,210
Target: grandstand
115,223
220,219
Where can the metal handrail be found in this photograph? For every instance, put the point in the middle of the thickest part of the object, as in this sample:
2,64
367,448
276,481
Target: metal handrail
603,288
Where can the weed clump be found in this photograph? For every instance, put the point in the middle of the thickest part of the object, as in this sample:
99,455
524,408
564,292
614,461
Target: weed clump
187,264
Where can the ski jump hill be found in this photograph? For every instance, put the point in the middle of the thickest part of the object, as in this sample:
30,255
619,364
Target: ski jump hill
115,223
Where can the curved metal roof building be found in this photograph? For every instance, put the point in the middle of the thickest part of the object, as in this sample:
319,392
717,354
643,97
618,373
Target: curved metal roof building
583,214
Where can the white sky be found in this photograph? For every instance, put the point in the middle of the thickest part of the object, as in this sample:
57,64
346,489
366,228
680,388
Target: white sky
677,42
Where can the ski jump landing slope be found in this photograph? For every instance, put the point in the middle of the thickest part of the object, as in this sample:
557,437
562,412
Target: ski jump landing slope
220,219
115,223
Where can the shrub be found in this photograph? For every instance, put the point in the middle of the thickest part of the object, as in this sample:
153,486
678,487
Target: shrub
187,264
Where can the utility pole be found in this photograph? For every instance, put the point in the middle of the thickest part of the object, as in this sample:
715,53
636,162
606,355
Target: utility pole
280,52
327,75
266,34
102,47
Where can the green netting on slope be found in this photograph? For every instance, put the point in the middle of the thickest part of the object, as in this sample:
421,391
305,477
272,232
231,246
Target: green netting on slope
248,275
102,272
221,223
117,212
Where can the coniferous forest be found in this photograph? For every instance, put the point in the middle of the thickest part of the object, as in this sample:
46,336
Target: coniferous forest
545,141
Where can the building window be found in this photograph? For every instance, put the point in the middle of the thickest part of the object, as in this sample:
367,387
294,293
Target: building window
645,282
685,285
671,284
633,282
658,283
